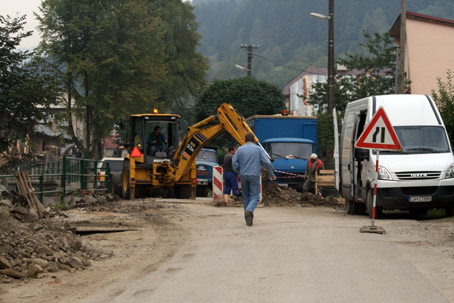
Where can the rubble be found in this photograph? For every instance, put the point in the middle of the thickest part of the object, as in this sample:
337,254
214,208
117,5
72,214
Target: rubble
276,195
90,201
30,246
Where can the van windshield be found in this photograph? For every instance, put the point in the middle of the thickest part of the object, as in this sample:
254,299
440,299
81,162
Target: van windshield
422,139
288,150
207,155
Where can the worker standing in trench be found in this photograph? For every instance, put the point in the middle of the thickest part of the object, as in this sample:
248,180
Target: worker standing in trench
313,164
246,162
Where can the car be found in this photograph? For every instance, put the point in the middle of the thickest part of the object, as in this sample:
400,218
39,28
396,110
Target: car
116,167
205,161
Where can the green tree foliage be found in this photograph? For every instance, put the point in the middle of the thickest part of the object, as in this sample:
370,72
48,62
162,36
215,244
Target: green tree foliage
247,95
372,73
186,68
119,57
26,91
444,97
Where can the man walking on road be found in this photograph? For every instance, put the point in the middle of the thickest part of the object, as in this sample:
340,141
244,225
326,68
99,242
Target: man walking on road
246,162
230,177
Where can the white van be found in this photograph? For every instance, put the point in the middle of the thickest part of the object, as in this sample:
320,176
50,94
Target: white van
418,178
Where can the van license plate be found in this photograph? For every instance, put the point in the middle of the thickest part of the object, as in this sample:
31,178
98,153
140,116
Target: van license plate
420,198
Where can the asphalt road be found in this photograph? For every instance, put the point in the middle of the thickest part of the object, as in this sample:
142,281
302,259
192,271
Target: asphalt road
288,255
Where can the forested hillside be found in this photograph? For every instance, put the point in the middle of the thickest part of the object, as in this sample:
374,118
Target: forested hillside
288,35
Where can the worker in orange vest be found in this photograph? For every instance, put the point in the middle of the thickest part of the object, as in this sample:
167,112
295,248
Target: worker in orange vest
313,164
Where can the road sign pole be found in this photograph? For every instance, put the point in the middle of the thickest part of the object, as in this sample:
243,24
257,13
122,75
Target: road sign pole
379,134
374,203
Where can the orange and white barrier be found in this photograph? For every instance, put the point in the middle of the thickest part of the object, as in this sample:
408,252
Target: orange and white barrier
218,184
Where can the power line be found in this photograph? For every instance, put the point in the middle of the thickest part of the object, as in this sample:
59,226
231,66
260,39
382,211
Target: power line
277,34
262,37
286,66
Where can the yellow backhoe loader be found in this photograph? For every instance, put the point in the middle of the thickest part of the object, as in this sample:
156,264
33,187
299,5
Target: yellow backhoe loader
158,161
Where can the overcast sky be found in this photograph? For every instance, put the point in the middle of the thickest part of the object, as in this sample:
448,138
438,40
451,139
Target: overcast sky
23,7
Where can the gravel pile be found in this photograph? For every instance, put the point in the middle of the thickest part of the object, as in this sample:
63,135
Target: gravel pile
275,195
29,246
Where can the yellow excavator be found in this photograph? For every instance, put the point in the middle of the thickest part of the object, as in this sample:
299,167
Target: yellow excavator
159,162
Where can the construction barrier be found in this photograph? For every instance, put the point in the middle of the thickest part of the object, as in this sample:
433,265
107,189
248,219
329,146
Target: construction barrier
218,184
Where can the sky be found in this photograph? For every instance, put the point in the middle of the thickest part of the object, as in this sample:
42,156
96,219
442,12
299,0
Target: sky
23,7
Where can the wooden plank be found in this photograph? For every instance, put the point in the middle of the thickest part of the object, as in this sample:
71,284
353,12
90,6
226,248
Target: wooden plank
81,230
326,171
31,193
26,190
325,178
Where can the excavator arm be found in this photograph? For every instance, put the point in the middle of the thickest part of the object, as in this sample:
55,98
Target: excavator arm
198,135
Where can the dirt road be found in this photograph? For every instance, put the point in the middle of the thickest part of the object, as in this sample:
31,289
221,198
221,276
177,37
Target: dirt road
194,252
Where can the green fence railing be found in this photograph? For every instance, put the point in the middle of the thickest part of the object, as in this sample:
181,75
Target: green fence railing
64,176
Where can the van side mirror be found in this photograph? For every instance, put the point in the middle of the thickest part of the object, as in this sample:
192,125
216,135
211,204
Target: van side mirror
361,154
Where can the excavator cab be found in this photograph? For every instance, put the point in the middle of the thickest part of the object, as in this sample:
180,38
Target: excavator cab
155,136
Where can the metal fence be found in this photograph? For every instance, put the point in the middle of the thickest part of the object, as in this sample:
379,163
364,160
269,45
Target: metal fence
64,176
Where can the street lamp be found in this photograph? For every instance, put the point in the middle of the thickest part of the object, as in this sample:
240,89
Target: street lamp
330,19
320,16
242,68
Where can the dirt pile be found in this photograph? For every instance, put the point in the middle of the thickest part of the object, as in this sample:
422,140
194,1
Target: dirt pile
90,201
275,195
316,200
29,246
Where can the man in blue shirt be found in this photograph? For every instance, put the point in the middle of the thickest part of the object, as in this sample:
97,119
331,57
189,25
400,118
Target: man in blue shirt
246,162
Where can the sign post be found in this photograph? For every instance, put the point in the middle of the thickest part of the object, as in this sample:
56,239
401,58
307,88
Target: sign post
378,135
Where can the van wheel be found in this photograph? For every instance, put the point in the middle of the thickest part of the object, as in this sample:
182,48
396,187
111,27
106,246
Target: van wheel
361,209
449,211
351,207
370,202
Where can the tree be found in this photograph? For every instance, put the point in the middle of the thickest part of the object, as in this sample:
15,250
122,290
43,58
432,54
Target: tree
444,98
26,91
120,57
370,74
186,68
247,95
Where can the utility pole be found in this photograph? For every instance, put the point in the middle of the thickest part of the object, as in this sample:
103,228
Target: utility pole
403,45
331,72
249,48
396,81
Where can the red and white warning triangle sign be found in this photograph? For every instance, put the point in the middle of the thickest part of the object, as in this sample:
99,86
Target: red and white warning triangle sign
379,134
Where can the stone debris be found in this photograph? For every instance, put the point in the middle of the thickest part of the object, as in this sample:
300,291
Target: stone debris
30,246
90,201
276,195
